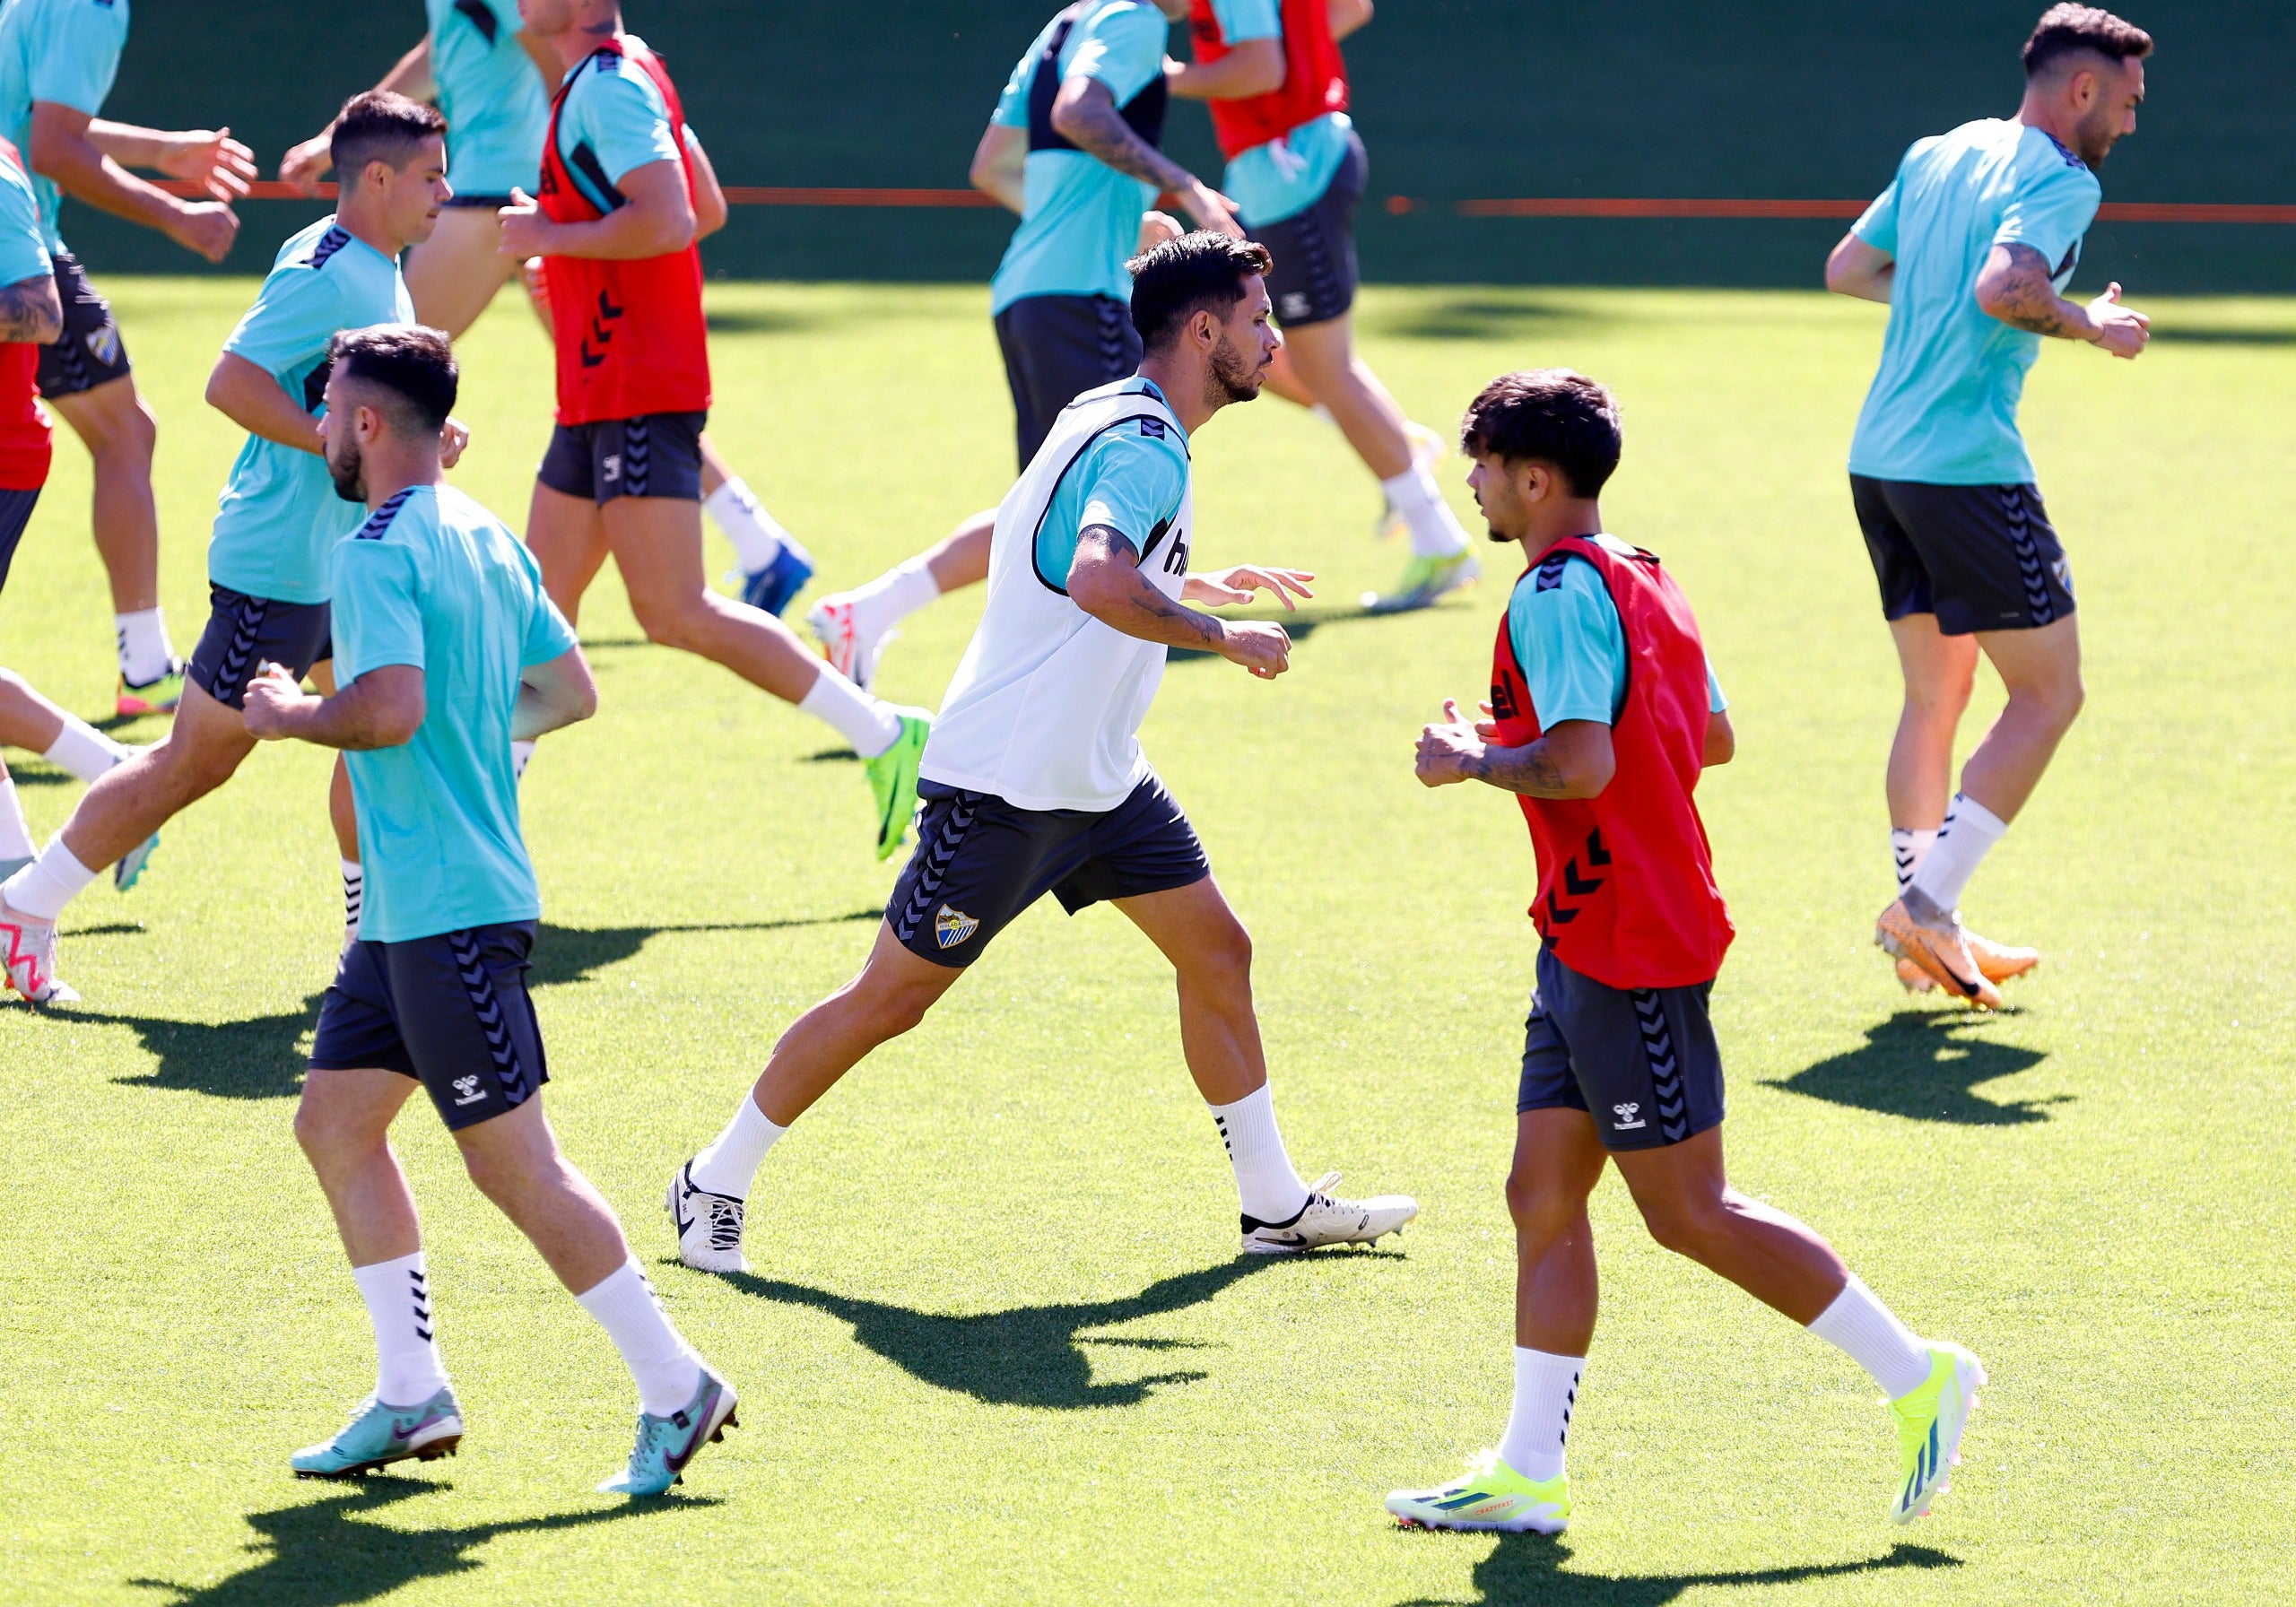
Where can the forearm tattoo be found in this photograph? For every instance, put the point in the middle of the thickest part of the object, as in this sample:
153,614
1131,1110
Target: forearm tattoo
29,311
2027,299
1105,135
1529,770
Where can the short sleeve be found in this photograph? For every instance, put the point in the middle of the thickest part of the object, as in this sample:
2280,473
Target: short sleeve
1242,20
378,618
82,56
1013,105
24,249
1132,481
627,121
1877,225
1716,703
1123,47
2050,212
548,635
292,321
1570,644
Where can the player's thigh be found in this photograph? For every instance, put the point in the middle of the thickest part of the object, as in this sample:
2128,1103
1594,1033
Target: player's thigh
2043,663
1558,1161
979,862
1322,354
208,741
346,1111
1193,926
1677,1187
108,417
468,1022
1939,670
569,542
453,276
657,545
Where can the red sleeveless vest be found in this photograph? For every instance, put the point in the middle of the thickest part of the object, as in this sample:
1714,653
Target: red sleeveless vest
1315,76
1626,881
630,336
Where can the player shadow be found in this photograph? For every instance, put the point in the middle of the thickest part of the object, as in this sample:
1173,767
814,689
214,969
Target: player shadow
1297,626
2224,335
323,1554
1027,1355
1926,1065
40,774
1485,317
1526,1570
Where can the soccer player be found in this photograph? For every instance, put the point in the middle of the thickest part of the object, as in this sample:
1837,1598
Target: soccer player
1072,147
1971,245
491,76
449,646
1619,1062
1276,85
276,521
616,226
58,60
1034,779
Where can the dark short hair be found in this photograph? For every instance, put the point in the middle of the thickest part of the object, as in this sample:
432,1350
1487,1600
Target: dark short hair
2071,29
1554,416
1177,280
380,125
414,363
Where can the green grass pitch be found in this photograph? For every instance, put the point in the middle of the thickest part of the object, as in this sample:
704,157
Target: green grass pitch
996,1348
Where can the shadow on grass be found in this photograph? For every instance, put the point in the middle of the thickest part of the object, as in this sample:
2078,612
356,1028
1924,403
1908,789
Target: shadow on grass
1030,1355
262,1057
321,1554
1526,1570
1297,626
758,320
1924,1064
1470,318
2224,335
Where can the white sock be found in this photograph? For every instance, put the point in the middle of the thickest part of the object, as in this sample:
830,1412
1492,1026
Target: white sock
1435,530
1969,829
757,535
729,1164
665,1365
868,723
354,897
1546,1391
408,1370
880,605
85,751
145,653
1908,847
15,831
1271,1191
1864,1330
44,886
522,754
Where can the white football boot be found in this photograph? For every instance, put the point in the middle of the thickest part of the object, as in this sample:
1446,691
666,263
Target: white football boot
708,1226
28,957
1325,1220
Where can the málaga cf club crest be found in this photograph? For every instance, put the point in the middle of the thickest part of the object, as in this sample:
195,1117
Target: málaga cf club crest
953,927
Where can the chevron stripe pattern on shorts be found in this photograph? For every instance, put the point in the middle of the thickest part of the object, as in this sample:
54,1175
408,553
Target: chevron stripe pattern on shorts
2030,570
933,861
1666,1068
232,673
478,985
637,456
1116,359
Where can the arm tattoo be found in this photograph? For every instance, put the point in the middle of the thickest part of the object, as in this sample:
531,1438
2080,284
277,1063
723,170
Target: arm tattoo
2029,301
29,311
1528,770
1104,133
1151,615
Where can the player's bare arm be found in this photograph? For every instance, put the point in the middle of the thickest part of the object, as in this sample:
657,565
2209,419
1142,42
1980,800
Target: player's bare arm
1347,16
1574,760
998,165
2015,286
657,219
553,696
1254,67
253,400
31,310
1858,269
1084,113
709,209
89,161
1105,581
306,164
383,709
1721,741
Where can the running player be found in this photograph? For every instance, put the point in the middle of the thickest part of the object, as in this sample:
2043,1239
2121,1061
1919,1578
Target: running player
58,60
616,227
1970,246
1276,84
492,76
1619,1062
449,645
1034,780
1072,147
278,516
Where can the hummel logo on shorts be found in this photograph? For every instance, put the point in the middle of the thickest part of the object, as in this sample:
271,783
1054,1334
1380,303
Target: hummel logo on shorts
1627,1116
467,1087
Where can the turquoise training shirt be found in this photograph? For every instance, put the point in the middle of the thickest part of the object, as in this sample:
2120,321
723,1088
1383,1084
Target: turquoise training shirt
1284,177
1131,479
1943,408
615,114
1079,218
279,516
23,251
491,94
66,52
435,581
1571,646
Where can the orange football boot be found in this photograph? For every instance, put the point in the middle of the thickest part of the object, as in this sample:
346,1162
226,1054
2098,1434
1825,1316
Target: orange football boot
1999,961
1944,956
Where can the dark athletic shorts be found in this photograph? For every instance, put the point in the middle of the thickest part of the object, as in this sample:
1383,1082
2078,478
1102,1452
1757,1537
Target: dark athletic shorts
1642,1061
1056,349
466,203
243,633
90,352
1315,276
15,514
1979,556
451,1012
653,455
980,862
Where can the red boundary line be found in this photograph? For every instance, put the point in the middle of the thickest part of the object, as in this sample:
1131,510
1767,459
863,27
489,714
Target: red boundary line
1539,206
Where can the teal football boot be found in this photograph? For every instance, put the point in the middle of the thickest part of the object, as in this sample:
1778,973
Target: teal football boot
666,1444
379,1435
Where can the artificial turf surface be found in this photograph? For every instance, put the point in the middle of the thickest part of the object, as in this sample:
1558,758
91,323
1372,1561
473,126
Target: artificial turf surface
998,1347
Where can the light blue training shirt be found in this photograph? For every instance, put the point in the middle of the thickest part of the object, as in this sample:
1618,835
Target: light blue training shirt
1271,182
1571,645
434,580
491,94
23,248
1943,408
1132,480
66,52
614,121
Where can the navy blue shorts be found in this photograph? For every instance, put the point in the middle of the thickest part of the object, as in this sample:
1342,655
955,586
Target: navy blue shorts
1641,1061
1056,349
15,515
243,633
653,455
89,353
1979,556
1313,278
451,1012
980,862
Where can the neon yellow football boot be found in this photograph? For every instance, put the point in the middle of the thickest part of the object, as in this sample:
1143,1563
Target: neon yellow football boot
1490,1495
1930,1422
1424,581
893,778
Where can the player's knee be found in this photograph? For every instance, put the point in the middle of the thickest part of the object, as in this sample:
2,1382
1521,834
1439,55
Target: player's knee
1688,1225
682,623
328,1140
1540,1211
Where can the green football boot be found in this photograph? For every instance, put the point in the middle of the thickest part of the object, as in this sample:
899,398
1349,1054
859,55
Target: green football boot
160,695
1425,579
1490,1495
379,1435
1930,1422
893,778
666,1444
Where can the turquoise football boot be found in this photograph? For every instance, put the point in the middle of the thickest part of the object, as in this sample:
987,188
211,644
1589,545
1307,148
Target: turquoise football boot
379,1435
666,1444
